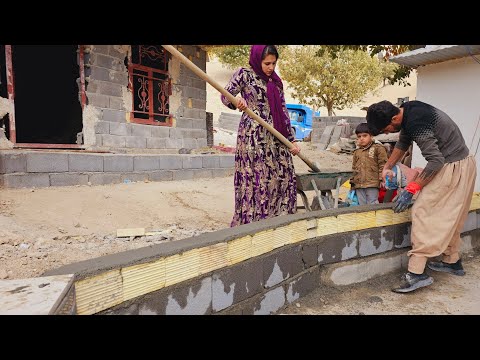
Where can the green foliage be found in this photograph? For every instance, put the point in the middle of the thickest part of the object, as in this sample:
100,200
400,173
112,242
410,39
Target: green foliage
335,80
232,56
400,73
235,56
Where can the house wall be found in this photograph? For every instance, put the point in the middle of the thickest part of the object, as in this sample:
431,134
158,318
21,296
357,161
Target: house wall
109,102
454,87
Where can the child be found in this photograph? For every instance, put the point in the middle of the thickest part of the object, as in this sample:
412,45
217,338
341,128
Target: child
368,162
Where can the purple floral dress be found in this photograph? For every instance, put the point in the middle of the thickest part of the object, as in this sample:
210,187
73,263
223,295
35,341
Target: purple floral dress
264,178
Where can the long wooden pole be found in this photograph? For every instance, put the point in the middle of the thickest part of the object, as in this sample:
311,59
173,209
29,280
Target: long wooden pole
200,73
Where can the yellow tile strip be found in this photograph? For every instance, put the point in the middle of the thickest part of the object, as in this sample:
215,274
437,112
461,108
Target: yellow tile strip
181,267
262,242
239,250
143,279
99,292
213,257
113,287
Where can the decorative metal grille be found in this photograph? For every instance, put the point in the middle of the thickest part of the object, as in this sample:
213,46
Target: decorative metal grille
150,85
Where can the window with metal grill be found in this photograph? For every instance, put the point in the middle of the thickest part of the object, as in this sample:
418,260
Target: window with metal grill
150,85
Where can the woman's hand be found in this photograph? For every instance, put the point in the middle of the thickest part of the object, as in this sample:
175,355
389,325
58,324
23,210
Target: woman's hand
295,150
241,104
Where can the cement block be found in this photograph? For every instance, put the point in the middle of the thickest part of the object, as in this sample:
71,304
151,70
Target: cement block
119,77
85,162
223,172
156,143
471,222
375,240
102,59
13,163
116,103
99,73
182,174
199,124
26,180
271,302
141,130
110,89
173,143
100,49
337,247
118,129
192,162
189,298
102,127
301,285
68,179
98,140
133,177
310,254
146,163
227,161
171,162
201,143
402,235
190,143
113,141
114,116
103,179
118,163
281,265
184,123
202,173
210,161
160,131
175,133
136,142
51,162
237,283
98,100
356,271
162,175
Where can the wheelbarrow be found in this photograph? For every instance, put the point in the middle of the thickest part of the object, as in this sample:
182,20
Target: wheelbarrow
322,183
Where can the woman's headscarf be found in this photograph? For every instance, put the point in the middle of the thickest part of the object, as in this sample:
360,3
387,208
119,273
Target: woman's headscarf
281,122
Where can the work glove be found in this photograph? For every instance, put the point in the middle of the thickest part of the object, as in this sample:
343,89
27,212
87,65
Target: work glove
405,197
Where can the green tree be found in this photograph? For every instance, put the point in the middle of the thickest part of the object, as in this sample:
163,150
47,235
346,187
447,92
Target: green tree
232,56
320,79
400,73
388,70
235,56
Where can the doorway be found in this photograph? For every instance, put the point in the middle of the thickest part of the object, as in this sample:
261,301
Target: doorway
46,81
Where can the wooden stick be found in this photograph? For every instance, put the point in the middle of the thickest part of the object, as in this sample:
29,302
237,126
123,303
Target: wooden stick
200,73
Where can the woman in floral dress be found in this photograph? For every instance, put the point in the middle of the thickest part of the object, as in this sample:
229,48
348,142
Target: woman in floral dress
264,179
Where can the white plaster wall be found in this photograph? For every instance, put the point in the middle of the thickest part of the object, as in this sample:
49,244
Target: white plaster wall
454,87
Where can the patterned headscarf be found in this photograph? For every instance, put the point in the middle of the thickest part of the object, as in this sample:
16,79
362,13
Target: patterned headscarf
281,122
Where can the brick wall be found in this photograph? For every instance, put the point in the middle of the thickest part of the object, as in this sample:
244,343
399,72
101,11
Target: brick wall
107,116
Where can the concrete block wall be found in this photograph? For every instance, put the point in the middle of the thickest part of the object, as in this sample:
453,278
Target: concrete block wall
107,117
321,122
229,121
256,268
20,169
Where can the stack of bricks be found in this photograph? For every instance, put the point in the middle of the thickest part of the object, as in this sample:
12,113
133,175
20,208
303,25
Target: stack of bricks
209,121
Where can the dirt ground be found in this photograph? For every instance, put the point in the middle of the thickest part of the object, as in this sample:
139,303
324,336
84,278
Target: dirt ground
45,228
449,294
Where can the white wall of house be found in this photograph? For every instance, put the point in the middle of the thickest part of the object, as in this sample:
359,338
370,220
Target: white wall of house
454,87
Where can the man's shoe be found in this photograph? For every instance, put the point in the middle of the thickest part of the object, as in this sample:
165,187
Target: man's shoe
454,269
411,281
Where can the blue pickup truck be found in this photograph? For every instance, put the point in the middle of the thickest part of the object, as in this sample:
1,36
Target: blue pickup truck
301,117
